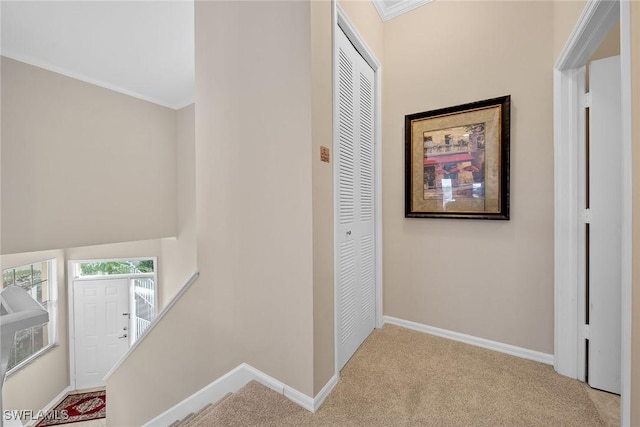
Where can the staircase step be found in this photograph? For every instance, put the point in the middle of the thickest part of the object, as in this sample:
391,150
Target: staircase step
253,404
204,412
186,419
190,421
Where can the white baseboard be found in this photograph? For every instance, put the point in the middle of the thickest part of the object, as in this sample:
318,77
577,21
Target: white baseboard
50,405
289,392
230,382
308,403
513,350
322,395
233,381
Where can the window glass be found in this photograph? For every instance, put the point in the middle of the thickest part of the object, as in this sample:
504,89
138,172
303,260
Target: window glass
37,281
7,278
101,268
145,305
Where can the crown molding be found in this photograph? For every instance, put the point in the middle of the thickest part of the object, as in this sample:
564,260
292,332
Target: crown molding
388,12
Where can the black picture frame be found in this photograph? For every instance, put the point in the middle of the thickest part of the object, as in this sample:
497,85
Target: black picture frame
457,161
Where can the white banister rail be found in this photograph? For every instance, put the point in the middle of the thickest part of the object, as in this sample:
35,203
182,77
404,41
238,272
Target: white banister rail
153,324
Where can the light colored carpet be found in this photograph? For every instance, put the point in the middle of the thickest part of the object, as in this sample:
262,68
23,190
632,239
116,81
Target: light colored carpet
607,404
405,378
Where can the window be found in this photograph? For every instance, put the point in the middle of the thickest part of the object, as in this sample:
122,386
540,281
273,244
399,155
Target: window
102,268
39,280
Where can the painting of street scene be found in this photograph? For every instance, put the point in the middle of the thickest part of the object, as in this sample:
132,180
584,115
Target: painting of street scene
454,163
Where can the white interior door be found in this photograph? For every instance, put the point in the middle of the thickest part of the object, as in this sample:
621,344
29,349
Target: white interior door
101,328
355,227
605,227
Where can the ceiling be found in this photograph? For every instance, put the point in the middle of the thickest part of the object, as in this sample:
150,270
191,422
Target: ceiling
140,48
388,9
143,48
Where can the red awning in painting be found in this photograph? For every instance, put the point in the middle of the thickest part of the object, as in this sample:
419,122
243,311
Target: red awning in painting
452,158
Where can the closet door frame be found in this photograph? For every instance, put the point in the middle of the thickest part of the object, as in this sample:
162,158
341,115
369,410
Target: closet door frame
342,23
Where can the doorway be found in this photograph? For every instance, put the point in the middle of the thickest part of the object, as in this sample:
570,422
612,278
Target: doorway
357,221
597,18
111,304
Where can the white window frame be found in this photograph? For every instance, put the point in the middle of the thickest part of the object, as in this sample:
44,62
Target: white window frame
52,308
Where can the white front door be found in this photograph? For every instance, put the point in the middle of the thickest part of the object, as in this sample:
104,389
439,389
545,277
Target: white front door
355,219
605,226
101,328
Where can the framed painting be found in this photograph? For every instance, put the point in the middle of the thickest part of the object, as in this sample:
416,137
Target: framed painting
457,161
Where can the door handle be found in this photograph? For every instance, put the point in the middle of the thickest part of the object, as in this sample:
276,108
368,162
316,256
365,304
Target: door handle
123,336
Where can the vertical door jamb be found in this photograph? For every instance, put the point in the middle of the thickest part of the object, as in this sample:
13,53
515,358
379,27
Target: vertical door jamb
581,135
627,210
70,327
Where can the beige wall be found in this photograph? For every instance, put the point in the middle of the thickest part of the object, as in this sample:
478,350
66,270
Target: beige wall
35,385
178,255
254,180
144,248
365,18
322,122
610,46
82,165
253,301
565,16
490,279
635,324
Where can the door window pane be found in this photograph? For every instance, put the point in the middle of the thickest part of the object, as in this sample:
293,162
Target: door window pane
106,268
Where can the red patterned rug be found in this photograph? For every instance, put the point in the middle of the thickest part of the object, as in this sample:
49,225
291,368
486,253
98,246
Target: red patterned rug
77,407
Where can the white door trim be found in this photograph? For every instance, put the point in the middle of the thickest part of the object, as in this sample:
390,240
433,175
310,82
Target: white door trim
627,210
71,301
595,22
342,22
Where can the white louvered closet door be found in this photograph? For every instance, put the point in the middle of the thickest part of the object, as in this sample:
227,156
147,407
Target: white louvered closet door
355,228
